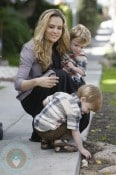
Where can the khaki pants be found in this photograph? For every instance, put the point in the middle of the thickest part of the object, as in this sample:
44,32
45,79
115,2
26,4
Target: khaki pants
52,135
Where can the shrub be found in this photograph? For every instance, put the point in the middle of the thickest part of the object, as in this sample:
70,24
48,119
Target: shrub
15,31
88,14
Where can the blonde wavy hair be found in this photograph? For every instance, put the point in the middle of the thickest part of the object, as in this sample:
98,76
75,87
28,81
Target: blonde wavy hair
41,45
93,95
81,33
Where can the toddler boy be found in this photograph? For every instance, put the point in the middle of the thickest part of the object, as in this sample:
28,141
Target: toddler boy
63,112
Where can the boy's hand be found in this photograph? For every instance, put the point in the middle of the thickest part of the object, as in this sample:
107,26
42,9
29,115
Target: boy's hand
86,153
77,138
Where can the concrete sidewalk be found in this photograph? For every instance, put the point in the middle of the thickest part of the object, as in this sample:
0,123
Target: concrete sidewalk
28,156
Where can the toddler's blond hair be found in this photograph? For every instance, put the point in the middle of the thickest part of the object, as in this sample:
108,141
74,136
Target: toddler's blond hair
81,33
93,95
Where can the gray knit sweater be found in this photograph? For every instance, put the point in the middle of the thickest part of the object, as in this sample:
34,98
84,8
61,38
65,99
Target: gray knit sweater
28,68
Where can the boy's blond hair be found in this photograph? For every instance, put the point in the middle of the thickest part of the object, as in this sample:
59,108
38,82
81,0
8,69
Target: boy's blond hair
93,95
81,33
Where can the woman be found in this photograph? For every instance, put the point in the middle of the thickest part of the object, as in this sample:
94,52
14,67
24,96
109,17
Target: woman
39,59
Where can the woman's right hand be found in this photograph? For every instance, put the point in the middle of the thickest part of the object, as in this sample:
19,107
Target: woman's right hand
46,82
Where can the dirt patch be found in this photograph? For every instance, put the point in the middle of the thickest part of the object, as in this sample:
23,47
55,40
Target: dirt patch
103,126
103,129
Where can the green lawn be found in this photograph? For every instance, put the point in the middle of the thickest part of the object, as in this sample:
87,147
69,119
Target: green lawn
1,87
108,79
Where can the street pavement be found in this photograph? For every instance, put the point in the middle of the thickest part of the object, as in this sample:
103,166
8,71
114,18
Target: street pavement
17,154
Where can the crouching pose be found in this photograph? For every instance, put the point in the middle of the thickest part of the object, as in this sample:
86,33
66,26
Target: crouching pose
63,112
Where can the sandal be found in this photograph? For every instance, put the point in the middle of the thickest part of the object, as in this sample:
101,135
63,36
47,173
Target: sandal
46,145
62,146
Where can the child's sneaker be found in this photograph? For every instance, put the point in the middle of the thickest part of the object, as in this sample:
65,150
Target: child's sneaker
1,131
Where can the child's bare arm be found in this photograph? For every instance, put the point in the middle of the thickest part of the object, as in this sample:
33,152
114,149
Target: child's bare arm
72,69
77,138
76,69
